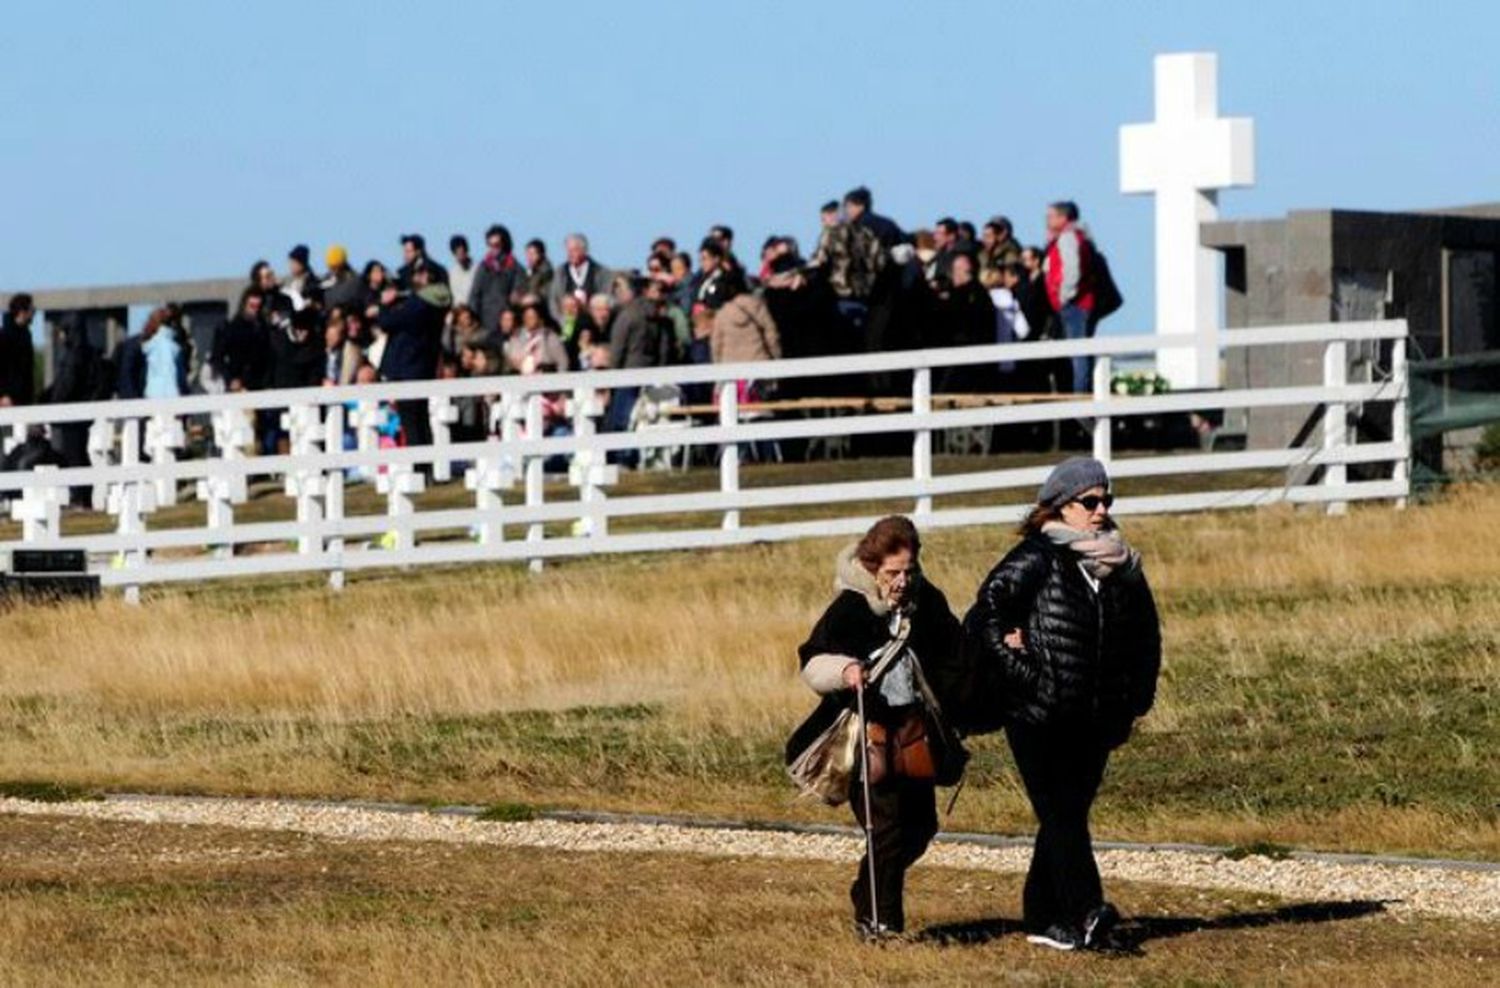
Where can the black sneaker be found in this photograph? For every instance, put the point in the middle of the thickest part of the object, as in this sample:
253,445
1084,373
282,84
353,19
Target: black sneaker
1058,937
1098,925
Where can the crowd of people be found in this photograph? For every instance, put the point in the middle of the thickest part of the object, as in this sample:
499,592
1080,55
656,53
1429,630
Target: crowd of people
866,286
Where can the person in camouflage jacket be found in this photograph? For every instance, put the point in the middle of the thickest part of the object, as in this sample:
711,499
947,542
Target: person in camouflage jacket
852,259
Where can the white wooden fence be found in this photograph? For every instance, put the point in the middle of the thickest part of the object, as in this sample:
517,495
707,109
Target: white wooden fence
325,538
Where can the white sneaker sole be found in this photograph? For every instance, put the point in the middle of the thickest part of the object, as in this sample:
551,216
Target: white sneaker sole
1046,941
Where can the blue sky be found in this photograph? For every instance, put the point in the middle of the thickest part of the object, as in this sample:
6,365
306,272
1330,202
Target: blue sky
163,140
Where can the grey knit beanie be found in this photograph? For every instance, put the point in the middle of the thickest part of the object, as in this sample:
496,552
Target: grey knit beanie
1069,478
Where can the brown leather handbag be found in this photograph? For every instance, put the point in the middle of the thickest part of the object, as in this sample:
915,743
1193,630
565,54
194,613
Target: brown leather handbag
904,752
911,750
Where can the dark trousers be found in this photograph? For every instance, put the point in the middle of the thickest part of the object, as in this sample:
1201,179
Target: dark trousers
1061,770
416,421
905,821
73,445
617,419
268,432
416,426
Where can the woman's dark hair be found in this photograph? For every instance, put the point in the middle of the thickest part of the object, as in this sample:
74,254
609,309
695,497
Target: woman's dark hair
20,302
532,305
255,270
500,230
371,266
886,537
1038,516
541,248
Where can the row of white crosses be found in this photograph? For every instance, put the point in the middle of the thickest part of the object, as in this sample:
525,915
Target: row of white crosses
319,493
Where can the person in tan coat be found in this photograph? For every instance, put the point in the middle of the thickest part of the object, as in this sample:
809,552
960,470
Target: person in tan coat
744,331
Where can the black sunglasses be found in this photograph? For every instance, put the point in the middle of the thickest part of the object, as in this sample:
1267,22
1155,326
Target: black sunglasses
1092,501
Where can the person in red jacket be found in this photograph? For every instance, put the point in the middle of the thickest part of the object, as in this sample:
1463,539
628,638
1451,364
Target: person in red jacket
1068,269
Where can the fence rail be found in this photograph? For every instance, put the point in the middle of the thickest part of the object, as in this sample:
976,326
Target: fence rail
135,449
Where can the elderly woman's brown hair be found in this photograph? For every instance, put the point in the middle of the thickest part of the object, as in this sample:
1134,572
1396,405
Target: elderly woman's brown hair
887,537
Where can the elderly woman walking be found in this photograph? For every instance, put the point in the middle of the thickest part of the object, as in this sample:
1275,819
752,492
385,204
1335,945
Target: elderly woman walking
888,645
1067,628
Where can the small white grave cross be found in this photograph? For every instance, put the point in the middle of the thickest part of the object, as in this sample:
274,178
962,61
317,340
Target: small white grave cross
1184,157
39,510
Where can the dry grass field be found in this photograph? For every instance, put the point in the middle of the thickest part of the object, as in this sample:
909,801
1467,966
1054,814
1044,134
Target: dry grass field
1329,682
112,903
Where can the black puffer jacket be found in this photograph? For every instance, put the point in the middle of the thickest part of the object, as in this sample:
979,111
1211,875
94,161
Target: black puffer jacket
1089,659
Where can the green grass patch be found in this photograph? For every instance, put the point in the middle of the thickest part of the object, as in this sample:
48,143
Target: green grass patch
43,791
508,813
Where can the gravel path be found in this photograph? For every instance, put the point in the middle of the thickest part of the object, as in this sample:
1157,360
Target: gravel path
1435,891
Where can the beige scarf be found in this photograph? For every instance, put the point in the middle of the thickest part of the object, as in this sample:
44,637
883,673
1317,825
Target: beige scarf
1101,553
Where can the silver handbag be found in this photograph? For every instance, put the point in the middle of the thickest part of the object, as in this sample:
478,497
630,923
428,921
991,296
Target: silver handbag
826,765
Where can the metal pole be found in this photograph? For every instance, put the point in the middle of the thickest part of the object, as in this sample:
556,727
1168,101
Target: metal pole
864,780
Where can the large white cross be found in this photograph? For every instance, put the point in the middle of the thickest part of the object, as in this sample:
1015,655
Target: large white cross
1184,158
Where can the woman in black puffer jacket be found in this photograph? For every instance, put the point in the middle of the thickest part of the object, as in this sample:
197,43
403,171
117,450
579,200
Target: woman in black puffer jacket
1065,633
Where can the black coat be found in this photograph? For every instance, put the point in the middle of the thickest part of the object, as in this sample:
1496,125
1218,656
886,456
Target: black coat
344,289
241,351
415,328
17,363
1089,659
130,368
436,273
851,626
296,363
965,316
885,229
81,374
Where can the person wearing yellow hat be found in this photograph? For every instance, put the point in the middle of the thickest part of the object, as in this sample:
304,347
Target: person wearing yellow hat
342,287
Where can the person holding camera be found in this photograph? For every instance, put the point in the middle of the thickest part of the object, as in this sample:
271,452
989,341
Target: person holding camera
887,646
1066,635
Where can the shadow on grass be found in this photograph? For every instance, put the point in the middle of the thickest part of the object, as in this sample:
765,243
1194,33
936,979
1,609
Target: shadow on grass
1133,934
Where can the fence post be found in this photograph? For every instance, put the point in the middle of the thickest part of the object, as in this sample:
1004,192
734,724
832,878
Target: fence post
535,481
221,492
921,443
1400,420
1103,436
129,502
164,437
589,471
1335,420
333,493
493,472
442,413
369,416
101,446
398,484
487,478
307,486
729,452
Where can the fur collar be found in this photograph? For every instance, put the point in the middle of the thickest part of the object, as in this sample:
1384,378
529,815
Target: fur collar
850,574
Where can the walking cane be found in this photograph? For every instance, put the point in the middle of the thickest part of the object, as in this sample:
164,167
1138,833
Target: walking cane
864,778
